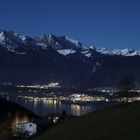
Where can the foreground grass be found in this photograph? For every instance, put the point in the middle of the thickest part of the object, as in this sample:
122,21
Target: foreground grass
120,122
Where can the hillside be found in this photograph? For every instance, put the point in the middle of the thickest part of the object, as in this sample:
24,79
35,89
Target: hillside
8,112
13,108
115,123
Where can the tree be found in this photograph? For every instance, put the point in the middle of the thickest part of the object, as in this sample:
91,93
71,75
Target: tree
64,114
5,127
125,86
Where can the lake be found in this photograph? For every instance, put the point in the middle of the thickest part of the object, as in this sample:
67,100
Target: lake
51,106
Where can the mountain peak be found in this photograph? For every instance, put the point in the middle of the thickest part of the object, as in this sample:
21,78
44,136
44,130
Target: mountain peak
62,44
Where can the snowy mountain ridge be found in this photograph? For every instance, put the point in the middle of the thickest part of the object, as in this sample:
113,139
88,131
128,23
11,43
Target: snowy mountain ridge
123,52
19,44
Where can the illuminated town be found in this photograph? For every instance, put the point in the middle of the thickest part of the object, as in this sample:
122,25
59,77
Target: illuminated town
73,98
41,86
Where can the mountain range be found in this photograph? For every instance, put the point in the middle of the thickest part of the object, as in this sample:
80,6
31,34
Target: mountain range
50,58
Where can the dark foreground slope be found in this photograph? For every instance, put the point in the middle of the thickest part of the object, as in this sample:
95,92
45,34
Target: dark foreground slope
8,113
7,107
116,123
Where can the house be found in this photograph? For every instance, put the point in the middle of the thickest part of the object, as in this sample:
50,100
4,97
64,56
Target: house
28,128
23,126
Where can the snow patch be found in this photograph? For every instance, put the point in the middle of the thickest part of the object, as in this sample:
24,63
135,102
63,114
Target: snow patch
19,53
43,45
86,53
22,37
66,51
2,37
103,51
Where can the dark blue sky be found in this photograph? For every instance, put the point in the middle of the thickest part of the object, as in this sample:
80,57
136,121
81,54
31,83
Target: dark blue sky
103,23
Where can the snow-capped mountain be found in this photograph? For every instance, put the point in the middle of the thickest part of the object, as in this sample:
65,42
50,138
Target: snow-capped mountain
126,52
102,50
64,45
60,42
16,43
123,52
48,58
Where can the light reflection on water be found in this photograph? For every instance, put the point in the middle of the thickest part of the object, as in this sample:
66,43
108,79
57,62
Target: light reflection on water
52,106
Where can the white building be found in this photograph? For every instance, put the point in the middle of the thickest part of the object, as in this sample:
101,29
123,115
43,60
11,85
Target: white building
56,119
29,128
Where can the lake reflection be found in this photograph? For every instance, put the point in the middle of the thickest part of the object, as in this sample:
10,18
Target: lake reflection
52,106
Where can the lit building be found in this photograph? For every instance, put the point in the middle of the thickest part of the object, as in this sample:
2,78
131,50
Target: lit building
22,125
28,128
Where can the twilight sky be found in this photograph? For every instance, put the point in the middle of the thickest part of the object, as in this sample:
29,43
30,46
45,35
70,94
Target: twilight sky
103,23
